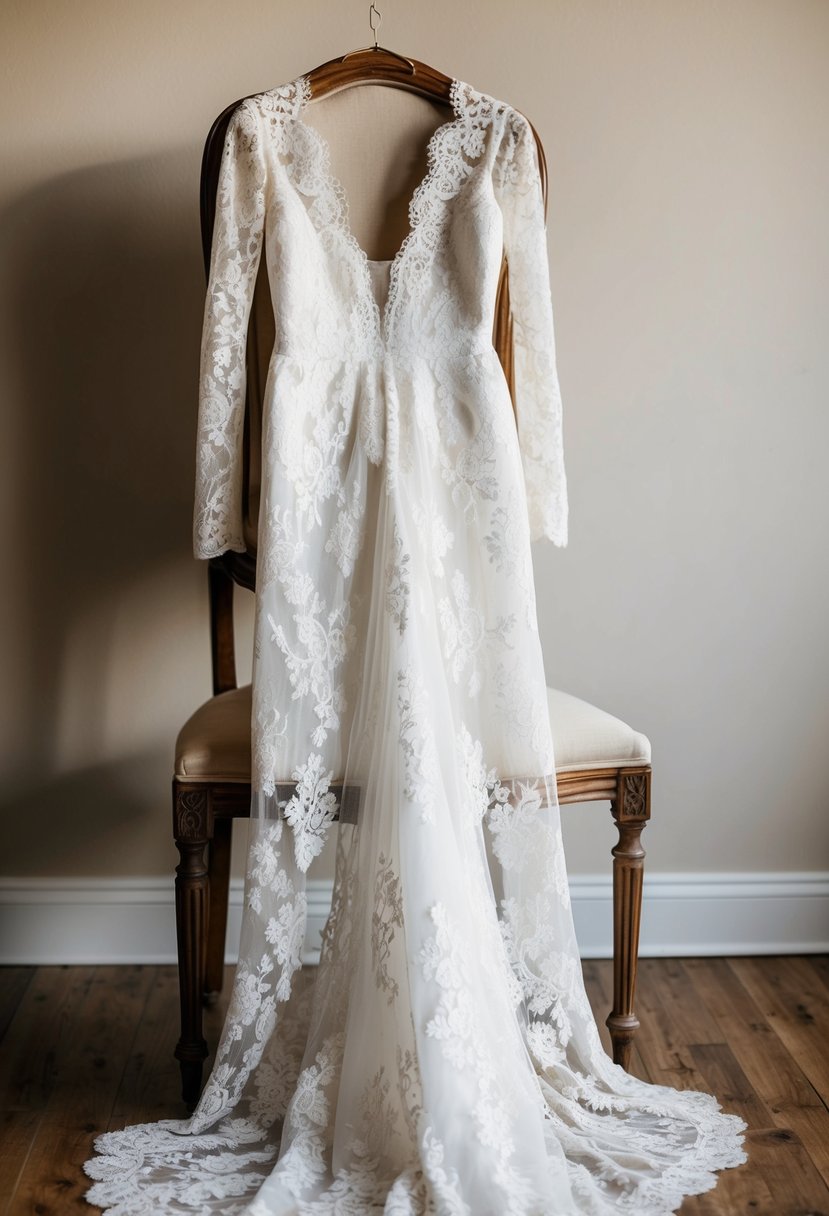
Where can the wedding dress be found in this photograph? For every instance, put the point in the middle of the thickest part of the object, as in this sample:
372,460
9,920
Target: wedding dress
444,1059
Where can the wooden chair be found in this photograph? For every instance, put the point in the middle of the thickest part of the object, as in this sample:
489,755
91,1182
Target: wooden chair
598,757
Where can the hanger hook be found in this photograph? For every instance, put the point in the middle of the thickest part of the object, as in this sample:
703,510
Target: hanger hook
374,28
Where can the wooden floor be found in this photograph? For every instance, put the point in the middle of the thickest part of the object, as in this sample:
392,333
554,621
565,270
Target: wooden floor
87,1048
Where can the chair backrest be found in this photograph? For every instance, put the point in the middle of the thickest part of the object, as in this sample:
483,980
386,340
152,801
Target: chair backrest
345,120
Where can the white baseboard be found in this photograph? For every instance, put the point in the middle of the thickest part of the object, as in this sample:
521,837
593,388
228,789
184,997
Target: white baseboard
132,920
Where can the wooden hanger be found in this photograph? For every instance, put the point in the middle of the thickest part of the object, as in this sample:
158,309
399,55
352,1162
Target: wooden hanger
378,64
372,64
374,28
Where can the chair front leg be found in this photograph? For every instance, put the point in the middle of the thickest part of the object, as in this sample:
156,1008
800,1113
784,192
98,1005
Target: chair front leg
631,810
192,829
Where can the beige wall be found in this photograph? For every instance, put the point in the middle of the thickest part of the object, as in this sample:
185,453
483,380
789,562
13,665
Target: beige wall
689,182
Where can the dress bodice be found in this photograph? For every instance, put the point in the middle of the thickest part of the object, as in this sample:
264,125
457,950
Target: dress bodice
442,280
432,305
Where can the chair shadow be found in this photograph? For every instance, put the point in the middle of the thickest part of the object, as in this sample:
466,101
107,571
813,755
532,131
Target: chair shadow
103,320
52,825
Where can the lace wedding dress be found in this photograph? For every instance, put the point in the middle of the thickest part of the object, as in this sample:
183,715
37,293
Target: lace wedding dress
444,1059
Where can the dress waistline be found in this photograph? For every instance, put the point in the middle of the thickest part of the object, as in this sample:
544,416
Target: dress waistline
390,355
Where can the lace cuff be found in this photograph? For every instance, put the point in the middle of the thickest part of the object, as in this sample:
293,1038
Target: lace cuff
234,261
517,182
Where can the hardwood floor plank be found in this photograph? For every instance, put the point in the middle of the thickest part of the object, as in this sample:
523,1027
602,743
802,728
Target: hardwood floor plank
90,1048
745,1188
796,1006
667,1033
768,1065
776,1155
819,963
739,1192
28,1060
150,1086
724,1077
796,1187
17,1131
28,1055
88,1060
13,983
690,1018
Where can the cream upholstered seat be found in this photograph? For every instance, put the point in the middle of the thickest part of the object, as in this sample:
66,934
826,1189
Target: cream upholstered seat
214,743
585,737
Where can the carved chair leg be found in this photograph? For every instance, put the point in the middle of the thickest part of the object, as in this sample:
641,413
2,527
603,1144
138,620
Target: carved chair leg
631,811
191,827
219,870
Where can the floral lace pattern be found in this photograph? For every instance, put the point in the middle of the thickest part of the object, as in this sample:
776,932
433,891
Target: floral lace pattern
310,809
442,1060
386,918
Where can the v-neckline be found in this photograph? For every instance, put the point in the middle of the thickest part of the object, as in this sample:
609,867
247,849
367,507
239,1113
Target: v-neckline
333,185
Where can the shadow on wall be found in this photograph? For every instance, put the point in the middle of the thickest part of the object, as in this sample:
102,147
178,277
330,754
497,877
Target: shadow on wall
52,821
106,287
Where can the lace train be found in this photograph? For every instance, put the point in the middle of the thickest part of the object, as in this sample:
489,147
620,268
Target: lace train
496,1098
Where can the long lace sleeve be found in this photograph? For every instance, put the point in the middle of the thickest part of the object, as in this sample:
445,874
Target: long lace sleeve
517,182
234,261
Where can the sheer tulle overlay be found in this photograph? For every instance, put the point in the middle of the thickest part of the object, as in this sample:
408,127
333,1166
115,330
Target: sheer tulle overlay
443,1057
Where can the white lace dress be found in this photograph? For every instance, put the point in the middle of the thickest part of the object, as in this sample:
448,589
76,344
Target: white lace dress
444,1059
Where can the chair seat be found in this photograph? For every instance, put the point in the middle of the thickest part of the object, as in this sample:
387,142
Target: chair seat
214,743
585,737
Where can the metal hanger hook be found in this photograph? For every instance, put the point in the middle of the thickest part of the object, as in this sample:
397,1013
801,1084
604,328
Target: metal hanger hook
374,28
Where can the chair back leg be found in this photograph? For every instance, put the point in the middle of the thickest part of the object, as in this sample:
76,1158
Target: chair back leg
218,865
631,809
